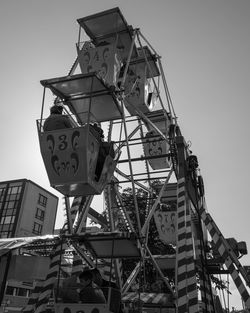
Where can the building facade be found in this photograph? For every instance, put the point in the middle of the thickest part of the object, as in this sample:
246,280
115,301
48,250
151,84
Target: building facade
26,209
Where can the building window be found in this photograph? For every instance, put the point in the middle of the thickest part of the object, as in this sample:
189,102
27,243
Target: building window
6,226
20,292
13,193
9,200
42,200
14,190
7,219
10,204
12,291
40,214
4,234
2,190
37,229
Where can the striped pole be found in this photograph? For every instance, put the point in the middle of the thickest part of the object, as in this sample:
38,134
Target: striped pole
52,275
207,303
69,218
187,293
74,209
31,305
181,281
227,254
191,272
205,284
77,265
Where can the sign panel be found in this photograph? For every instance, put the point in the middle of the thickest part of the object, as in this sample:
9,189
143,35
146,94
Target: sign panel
104,60
165,219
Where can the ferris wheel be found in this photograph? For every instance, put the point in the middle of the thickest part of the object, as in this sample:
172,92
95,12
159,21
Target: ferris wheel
124,143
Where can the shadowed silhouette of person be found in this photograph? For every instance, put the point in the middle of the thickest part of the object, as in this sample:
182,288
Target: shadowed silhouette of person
106,148
90,293
115,296
70,289
57,120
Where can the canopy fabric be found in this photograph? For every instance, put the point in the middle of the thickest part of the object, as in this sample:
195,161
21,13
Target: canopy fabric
157,299
7,244
102,244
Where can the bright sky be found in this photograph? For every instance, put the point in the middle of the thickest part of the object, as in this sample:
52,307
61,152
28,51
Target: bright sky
205,48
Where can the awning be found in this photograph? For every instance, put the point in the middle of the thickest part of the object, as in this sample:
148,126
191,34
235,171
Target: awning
7,244
86,94
149,299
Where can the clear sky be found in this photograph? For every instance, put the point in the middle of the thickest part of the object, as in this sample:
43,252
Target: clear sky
205,49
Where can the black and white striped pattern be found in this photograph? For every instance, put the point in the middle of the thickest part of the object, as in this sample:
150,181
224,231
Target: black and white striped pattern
31,305
52,275
187,293
77,265
222,247
74,209
69,220
205,283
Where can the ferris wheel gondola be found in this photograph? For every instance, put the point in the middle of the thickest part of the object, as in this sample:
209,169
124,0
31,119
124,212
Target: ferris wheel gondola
77,160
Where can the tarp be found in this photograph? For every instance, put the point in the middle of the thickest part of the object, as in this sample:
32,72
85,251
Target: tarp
28,268
116,244
157,299
7,244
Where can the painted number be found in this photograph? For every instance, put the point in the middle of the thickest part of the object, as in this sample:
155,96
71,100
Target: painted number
63,143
